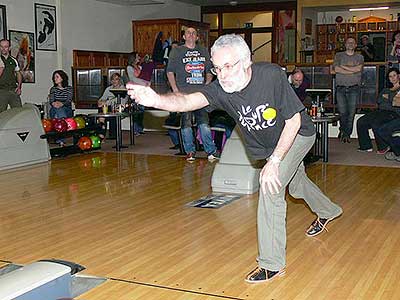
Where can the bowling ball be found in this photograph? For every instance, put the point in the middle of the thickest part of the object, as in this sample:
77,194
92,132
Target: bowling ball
85,143
47,125
71,124
54,121
80,122
96,141
60,125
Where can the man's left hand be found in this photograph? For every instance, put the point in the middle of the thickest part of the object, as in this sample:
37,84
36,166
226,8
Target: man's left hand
269,177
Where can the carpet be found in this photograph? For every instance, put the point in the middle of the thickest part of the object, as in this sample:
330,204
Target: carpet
158,143
347,154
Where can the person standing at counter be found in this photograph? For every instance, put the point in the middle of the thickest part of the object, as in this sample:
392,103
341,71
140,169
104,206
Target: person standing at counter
347,66
367,49
395,52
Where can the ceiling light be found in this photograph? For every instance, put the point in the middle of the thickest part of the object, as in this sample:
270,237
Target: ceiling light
369,8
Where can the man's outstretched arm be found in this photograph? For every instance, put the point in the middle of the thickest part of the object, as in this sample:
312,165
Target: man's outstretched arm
177,102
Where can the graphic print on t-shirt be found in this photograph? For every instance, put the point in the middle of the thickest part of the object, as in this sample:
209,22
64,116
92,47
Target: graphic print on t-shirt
257,118
195,66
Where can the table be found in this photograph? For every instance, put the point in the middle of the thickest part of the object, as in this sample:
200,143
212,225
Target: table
118,120
318,94
322,140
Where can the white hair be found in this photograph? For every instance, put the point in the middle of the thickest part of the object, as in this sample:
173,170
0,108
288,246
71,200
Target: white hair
236,42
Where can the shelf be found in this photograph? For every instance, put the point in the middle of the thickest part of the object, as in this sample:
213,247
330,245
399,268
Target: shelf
331,37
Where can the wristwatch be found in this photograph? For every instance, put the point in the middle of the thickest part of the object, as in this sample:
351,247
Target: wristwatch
274,159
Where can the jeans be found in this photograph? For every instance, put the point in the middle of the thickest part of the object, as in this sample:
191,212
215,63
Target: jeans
347,98
201,117
385,132
373,120
61,112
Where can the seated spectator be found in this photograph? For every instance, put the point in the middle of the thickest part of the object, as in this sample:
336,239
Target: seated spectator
60,96
367,49
299,83
385,113
60,99
110,100
389,133
133,71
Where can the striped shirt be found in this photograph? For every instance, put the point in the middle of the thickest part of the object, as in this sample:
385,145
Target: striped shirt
64,95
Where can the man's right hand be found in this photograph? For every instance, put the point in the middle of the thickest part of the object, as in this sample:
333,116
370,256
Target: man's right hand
143,95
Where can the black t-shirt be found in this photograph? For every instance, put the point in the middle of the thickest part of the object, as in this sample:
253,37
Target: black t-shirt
261,108
190,67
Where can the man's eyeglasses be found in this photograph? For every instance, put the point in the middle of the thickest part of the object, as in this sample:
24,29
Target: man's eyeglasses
228,67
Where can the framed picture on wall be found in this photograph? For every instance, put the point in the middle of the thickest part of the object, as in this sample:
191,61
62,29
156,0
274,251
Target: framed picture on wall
23,49
45,27
3,22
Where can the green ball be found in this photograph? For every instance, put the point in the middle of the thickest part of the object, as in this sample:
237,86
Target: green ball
96,141
80,122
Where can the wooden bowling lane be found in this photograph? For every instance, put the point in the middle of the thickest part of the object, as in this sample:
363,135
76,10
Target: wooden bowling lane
129,291
123,216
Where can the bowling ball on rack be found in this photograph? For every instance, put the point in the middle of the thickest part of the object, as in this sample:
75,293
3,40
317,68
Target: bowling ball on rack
88,121
60,125
85,143
96,141
71,124
47,125
53,121
80,122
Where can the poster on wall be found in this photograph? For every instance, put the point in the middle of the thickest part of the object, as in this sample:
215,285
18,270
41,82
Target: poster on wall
286,37
45,27
3,22
23,49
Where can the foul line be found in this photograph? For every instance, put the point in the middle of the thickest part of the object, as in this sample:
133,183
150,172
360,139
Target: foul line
175,289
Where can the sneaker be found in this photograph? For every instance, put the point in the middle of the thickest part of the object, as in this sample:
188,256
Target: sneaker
214,156
318,226
190,156
391,156
365,150
383,151
262,275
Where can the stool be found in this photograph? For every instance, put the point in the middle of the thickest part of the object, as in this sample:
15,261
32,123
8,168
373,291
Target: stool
178,129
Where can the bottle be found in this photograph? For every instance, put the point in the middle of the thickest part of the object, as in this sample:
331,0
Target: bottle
314,109
321,109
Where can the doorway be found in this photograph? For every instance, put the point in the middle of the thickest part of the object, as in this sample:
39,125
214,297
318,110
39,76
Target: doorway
259,42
